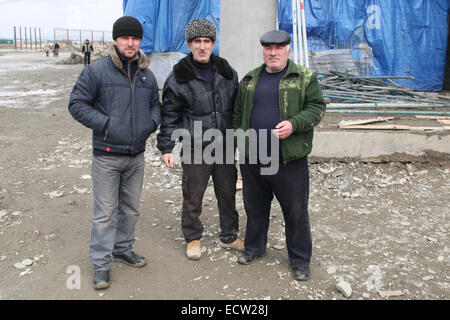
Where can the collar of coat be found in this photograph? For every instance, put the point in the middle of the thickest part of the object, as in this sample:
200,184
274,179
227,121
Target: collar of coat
292,69
143,60
184,70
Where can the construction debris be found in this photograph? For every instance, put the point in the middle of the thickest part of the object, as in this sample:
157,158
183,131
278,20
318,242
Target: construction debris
75,58
387,294
366,124
346,123
350,93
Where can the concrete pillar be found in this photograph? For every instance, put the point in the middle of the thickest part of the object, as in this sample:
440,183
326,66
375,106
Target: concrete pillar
242,23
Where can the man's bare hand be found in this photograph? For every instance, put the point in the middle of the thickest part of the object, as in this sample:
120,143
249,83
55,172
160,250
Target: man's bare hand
167,158
283,130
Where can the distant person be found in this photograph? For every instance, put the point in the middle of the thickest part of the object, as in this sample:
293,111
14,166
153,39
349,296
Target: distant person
47,52
201,90
285,100
86,50
117,97
56,48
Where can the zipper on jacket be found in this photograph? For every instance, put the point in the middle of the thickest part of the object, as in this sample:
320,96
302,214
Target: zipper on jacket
132,104
213,95
131,97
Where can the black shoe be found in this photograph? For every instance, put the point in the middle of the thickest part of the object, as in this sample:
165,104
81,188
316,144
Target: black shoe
101,279
131,258
301,274
246,258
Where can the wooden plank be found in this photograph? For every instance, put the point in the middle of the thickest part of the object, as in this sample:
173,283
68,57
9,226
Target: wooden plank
379,127
443,121
345,123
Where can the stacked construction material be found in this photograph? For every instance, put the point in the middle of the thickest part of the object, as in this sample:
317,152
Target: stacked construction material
350,93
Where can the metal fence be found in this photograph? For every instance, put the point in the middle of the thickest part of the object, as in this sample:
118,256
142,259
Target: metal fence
29,38
76,37
26,39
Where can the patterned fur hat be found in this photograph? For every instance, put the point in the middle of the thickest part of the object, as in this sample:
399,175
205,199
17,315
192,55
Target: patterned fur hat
200,28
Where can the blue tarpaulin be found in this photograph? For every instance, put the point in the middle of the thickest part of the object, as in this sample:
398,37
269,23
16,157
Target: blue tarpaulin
407,37
164,21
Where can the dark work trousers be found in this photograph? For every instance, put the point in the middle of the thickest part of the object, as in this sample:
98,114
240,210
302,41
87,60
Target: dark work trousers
194,183
87,58
291,188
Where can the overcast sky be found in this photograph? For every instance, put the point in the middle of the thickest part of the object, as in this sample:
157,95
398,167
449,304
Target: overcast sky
49,14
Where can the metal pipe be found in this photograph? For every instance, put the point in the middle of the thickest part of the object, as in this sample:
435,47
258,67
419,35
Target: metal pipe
436,113
294,30
15,38
385,105
299,33
305,39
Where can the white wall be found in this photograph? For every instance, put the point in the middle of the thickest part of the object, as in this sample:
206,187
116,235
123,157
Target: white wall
242,23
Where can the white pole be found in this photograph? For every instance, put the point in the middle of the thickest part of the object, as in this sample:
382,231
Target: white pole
305,39
300,27
294,30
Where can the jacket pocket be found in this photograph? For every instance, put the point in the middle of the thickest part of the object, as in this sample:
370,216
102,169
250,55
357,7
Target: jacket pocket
119,132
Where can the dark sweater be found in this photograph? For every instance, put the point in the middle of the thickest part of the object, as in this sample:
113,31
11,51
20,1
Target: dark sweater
266,110
205,70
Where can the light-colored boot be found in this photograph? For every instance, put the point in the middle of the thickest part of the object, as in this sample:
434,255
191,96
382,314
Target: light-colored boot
237,244
193,250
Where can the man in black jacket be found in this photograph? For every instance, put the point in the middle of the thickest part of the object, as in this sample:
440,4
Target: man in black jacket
117,97
200,93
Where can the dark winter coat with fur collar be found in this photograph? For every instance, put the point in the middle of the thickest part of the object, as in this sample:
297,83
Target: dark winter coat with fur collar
187,98
121,111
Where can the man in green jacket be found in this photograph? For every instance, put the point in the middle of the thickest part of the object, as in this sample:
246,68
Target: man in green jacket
285,100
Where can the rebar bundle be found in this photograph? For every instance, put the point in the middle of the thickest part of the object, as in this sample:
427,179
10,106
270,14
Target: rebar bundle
350,93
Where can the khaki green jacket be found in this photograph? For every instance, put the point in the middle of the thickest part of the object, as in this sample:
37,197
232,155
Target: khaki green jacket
301,102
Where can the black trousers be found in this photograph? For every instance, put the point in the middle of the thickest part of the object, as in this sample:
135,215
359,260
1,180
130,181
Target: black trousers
194,183
290,185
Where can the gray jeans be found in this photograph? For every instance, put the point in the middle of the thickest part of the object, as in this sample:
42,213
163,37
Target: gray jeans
117,182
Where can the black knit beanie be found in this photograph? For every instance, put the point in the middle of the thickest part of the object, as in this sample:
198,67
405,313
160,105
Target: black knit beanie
127,26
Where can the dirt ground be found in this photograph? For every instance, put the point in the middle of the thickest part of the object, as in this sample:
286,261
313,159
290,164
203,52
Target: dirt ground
378,226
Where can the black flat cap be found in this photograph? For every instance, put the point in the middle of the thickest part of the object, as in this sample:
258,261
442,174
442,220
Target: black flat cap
275,37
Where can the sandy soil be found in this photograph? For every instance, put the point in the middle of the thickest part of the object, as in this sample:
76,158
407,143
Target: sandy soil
376,226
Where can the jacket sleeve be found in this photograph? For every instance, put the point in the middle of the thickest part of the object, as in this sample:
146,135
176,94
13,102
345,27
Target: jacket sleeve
82,101
236,120
313,110
170,118
155,106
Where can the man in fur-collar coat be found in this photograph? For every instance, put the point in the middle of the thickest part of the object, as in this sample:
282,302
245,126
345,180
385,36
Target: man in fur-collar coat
117,97
199,95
